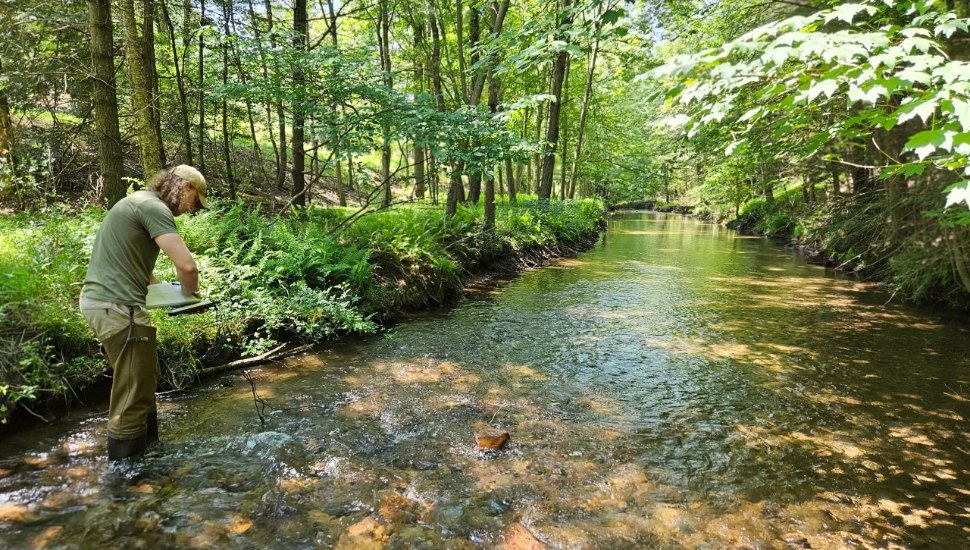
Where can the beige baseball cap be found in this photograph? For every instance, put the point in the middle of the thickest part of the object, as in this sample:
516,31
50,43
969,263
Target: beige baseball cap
194,177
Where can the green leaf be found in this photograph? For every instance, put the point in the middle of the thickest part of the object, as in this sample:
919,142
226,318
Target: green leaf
961,110
912,169
959,194
919,44
914,76
952,71
870,96
750,114
923,108
947,28
847,12
611,16
826,87
925,143
734,145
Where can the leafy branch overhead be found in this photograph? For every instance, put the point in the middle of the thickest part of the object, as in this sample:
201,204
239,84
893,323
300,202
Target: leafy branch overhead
864,67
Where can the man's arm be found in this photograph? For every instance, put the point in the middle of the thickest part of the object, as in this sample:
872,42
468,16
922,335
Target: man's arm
174,247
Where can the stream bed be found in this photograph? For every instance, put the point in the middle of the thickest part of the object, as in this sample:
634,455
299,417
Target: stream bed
678,386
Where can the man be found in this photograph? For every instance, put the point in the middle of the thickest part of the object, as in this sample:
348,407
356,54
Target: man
113,297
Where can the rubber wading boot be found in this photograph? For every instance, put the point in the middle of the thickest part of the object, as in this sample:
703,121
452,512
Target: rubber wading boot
152,434
126,448
133,355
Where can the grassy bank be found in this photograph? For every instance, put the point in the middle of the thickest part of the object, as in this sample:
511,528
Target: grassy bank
276,280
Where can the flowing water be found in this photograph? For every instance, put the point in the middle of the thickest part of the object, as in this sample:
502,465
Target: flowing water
677,386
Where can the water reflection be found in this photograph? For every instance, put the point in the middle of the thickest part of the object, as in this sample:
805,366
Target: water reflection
678,386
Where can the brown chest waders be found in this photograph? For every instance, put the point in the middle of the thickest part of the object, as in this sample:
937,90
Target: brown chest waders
132,416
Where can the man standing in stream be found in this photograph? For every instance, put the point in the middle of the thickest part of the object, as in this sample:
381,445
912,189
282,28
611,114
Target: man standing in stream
113,297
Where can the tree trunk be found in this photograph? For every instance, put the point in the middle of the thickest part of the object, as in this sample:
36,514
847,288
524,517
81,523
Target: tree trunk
300,28
454,183
537,156
552,131
186,127
584,109
474,96
202,88
435,177
494,87
105,100
341,194
226,138
496,20
420,178
459,31
454,192
383,41
6,133
563,151
352,181
141,93
280,111
237,60
524,183
151,74
510,180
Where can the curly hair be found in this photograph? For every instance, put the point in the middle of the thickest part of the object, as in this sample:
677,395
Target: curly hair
168,187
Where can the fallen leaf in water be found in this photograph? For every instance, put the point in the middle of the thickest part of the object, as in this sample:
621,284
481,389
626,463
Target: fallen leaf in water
144,488
490,438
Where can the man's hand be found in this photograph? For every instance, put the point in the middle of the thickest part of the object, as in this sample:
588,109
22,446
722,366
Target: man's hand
174,247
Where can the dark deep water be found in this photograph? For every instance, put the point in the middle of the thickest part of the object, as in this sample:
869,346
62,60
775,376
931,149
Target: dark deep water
679,385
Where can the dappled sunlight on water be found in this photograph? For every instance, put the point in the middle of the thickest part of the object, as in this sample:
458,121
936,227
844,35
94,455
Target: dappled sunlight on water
725,395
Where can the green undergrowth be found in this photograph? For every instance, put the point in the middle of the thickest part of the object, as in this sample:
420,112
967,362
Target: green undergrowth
276,280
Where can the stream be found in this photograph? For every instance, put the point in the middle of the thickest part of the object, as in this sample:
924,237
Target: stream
678,386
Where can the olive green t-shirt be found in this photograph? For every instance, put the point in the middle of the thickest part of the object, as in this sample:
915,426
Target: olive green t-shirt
125,251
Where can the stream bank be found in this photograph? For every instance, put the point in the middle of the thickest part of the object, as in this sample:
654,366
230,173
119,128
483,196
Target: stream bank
276,282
